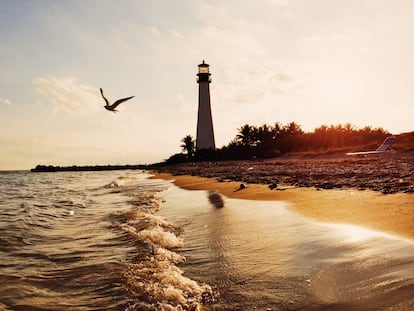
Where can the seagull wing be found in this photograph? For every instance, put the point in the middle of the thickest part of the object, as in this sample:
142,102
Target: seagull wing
120,101
106,100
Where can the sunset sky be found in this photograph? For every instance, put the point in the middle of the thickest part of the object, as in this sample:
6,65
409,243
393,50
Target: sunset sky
310,61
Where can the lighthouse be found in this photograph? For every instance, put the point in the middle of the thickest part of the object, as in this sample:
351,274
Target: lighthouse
205,133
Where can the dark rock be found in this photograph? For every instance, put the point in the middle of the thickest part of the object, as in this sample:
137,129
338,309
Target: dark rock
272,186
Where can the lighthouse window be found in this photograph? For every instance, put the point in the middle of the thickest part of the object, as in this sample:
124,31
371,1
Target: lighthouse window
203,69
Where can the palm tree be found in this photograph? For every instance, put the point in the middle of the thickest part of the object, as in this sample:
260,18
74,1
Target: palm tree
278,129
293,129
188,145
246,135
265,137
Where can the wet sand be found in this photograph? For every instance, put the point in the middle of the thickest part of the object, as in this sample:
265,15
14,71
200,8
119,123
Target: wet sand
391,213
259,255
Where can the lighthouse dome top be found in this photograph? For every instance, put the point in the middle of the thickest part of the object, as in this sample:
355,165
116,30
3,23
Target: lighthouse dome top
203,68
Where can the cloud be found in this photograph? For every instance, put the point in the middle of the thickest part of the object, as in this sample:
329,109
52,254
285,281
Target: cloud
68,95
5,101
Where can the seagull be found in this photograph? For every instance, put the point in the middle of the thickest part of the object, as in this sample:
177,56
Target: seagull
112,107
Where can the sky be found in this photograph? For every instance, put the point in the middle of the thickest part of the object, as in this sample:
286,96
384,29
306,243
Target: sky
315,62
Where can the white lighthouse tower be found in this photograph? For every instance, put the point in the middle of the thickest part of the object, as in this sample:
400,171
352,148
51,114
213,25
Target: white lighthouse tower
205,133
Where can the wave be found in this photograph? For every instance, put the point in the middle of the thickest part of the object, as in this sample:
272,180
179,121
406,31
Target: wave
90,240
154,279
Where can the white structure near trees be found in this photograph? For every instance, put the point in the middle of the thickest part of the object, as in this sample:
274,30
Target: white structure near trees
205,133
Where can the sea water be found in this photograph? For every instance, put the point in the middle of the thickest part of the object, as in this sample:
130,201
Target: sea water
120,241
89,241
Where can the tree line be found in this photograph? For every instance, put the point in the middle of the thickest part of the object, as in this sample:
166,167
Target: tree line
74,168
268,141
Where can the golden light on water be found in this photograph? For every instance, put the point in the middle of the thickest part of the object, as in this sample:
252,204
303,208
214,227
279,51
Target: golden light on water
353,233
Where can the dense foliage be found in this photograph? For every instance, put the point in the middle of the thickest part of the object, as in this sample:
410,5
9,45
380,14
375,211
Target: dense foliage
267,141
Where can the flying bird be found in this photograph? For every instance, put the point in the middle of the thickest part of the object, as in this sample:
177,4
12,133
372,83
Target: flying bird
112,107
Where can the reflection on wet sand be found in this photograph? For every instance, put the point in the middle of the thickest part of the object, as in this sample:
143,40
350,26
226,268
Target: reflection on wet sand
258,254
215,199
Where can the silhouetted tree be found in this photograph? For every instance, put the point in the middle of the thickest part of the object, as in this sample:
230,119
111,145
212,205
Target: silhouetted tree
246,135
277,129
293,129
289,138
188,145
265,139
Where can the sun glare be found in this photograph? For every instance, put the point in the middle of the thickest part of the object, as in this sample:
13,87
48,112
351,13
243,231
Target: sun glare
353,233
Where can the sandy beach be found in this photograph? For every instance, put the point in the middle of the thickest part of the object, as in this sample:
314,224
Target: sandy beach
376,193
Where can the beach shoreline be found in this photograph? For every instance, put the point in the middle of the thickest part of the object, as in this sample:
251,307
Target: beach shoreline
390,213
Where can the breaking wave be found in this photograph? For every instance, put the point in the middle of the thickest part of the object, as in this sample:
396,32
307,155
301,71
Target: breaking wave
90,241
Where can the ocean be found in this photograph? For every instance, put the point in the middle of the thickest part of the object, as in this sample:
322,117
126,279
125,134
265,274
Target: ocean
118,240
